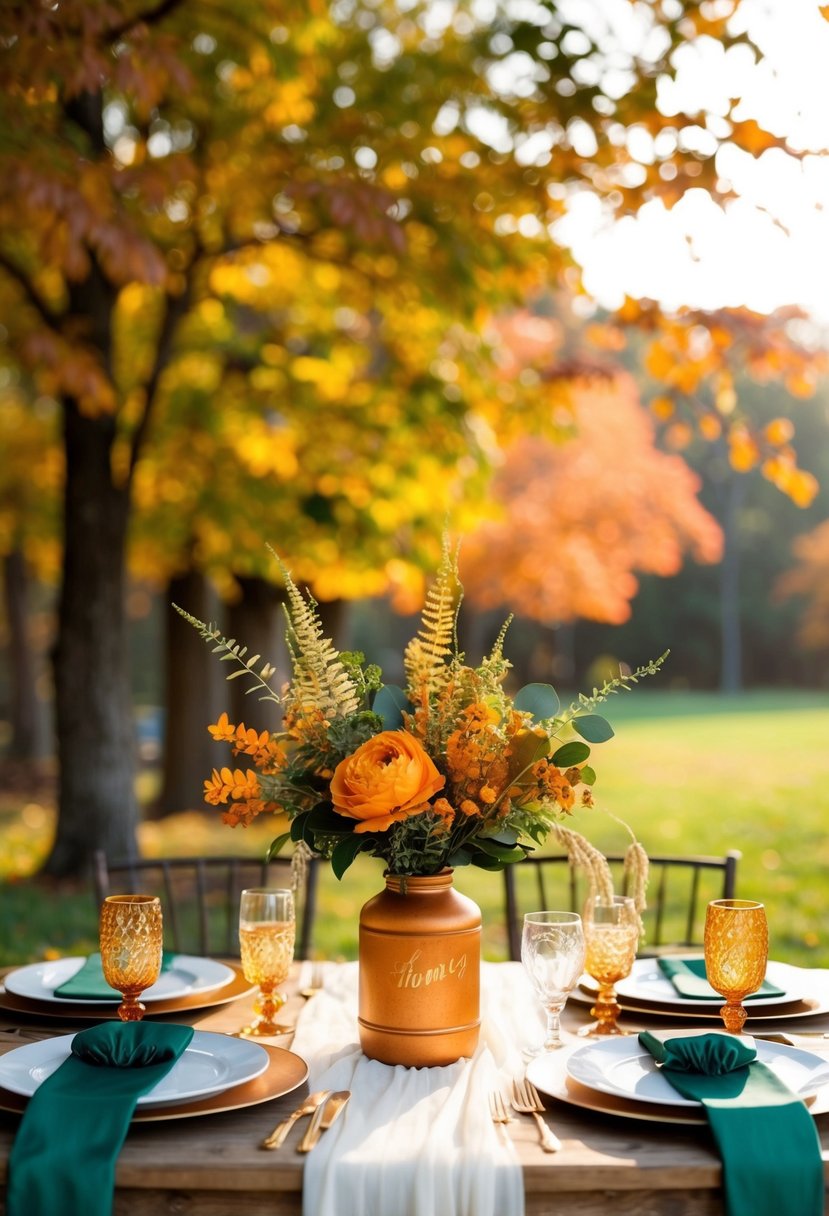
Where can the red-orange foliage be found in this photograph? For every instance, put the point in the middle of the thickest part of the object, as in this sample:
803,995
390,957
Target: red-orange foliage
810,578
580,518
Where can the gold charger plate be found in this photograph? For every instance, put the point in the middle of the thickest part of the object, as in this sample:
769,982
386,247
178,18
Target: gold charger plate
553,1082
76,1010
808,1007
285,1072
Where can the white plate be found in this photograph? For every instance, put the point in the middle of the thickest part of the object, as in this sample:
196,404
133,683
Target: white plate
647,985
622,1066
548,1073
211,1064
187,975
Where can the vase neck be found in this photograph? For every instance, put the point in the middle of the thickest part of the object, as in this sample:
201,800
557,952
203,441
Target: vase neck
420,884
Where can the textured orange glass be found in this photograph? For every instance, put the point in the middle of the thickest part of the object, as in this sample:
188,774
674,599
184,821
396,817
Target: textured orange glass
267,925
611,934
736,953
131,944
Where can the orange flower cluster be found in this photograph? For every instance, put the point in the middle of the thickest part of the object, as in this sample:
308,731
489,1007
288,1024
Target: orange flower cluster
551,782
477,761
242,789
267,754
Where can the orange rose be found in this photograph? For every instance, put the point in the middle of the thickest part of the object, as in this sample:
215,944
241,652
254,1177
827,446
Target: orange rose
388,778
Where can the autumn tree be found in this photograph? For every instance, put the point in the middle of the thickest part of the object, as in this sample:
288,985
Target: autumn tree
809,580
171,168
579,519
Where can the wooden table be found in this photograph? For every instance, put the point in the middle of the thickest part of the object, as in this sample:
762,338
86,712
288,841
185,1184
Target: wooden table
212,1166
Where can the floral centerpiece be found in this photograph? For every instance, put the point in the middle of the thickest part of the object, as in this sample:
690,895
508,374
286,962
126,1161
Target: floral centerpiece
449,771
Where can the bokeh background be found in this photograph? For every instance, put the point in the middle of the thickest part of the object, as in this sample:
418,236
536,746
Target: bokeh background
337,278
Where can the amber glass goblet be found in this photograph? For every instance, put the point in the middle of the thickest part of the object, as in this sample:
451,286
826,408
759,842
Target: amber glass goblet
736,953
611,934
131,944
267,925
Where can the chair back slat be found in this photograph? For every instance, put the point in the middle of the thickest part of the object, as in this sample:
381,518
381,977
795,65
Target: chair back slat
169,905
200,896
678,890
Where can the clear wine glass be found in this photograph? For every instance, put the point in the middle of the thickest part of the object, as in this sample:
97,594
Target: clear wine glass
552,951
611,934
267,927
131,945
736,952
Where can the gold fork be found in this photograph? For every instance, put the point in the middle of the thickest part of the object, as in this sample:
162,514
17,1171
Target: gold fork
499,1113
277,1136
526,1101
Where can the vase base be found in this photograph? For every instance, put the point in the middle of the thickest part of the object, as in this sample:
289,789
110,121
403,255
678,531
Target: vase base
419,1048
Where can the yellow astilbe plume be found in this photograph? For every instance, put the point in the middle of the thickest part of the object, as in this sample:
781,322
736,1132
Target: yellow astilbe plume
320,681
425,656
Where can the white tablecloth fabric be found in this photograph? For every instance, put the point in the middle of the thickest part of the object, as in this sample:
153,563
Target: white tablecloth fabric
415,1141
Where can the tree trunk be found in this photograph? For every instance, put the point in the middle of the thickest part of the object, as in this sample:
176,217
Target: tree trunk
256,620
25,740
97,807
731,667
191,676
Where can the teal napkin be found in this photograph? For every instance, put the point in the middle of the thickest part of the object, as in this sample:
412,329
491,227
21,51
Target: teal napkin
766,1138
688,978
63,1157
89,984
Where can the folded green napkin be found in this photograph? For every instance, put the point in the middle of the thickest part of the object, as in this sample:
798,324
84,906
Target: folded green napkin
688,978
88,984
767,1140
63,1157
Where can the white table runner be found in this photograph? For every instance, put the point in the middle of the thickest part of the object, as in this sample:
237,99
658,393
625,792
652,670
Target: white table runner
415,1141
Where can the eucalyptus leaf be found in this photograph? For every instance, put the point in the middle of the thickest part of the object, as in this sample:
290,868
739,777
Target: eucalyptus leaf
461,857
389,705
484,862
540,700
588,775
502,852
593,728
570,754
508,837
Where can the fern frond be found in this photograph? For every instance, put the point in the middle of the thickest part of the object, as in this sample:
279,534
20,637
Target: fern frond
230,651
320,680
425,656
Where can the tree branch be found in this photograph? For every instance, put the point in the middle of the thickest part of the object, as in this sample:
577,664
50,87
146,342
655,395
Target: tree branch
150,16
49,318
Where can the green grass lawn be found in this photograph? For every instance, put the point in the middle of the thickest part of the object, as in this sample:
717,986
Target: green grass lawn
691,773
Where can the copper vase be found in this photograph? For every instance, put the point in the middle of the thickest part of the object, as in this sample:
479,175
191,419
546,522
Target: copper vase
420,955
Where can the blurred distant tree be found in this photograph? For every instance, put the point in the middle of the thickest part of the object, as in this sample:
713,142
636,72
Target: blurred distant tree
176,165
581,518
686,611
809,580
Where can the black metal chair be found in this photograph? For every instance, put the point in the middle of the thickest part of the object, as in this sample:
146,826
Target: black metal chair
200,896
678,890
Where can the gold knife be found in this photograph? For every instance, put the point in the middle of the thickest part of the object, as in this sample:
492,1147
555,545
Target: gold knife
324,1116
309,1107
